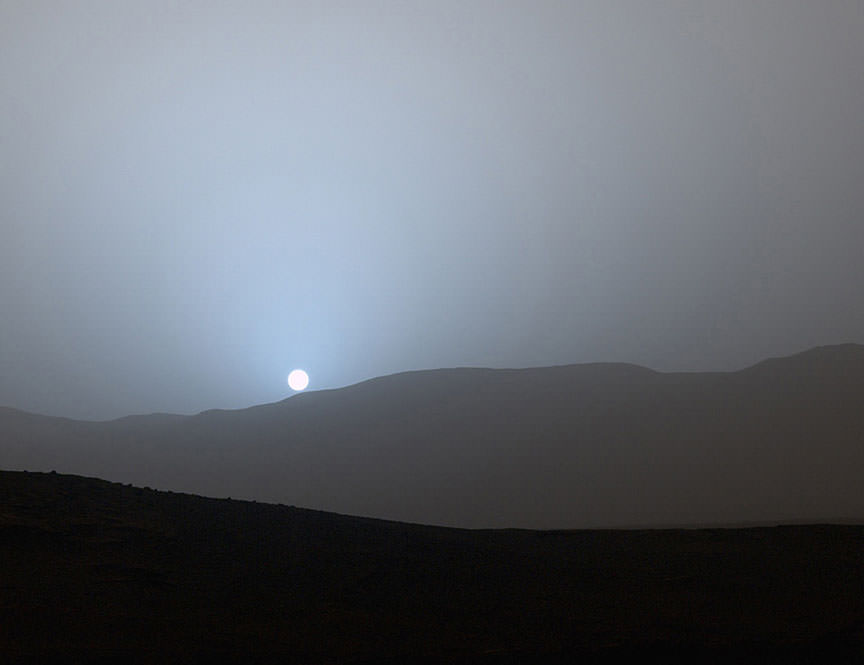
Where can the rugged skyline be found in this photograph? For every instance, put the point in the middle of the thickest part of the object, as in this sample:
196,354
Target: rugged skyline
196,198
583,446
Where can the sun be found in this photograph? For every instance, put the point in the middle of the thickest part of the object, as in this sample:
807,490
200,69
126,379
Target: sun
298,380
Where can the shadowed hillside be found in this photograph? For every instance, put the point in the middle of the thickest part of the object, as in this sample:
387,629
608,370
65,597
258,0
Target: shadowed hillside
92,571
598,445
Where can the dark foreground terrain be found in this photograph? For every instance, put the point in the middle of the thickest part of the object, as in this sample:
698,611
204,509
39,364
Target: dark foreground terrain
92,571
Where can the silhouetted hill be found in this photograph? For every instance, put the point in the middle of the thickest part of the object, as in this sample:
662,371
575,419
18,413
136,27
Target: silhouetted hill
597,445
92,571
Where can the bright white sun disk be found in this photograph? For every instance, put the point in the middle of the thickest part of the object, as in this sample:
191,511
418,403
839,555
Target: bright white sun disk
298,379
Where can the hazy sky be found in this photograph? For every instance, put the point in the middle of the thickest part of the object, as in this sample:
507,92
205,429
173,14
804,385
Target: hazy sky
198,196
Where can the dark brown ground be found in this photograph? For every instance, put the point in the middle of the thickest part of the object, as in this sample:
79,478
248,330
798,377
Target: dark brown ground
92,571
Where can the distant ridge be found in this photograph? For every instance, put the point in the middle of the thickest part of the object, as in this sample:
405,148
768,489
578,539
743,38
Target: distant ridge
591,445
832,353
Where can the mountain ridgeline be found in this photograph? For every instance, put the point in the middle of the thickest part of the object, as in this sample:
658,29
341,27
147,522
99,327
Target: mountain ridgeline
580,446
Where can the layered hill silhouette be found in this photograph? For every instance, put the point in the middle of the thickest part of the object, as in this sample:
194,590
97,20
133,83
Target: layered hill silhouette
596,445
98,572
